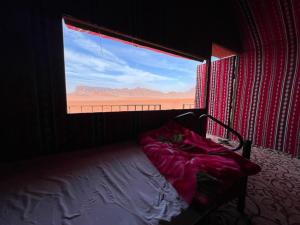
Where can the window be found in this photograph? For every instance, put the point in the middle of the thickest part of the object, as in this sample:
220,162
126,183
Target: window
105,74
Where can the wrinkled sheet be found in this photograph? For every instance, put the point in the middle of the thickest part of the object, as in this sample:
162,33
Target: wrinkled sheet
180,154
117,185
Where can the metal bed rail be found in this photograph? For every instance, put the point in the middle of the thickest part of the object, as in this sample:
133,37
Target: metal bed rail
245,144
192,114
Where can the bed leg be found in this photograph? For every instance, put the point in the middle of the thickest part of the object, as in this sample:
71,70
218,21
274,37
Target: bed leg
247,149
242,196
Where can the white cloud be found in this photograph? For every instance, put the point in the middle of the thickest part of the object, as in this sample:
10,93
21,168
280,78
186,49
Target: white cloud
95,48
158,60
91,70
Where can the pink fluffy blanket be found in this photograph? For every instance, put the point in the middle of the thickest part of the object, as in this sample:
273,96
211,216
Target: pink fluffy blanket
195,166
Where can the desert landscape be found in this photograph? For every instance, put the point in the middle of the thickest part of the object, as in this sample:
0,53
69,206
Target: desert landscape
87,99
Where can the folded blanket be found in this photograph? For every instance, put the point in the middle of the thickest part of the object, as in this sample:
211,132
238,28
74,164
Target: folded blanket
195,166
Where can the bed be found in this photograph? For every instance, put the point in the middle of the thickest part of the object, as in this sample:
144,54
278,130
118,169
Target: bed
115,184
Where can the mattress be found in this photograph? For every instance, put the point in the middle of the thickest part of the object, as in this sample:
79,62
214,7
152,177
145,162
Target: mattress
116,184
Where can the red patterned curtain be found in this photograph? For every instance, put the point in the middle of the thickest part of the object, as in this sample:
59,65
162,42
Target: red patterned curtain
220,97
200,92
268,77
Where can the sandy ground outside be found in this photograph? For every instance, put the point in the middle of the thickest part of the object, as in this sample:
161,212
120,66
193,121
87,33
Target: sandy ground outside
117,105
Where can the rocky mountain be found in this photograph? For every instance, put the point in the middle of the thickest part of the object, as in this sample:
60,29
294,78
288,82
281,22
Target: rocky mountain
125,93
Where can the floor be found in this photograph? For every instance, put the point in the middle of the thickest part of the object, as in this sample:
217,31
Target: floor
273,196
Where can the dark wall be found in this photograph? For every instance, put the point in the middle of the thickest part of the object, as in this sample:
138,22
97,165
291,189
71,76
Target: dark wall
175,25
88,130
225,25
33,83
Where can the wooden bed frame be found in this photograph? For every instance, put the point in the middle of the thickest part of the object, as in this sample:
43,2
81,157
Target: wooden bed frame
239,190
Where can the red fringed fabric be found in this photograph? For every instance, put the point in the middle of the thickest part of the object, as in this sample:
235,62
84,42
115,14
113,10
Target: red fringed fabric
221,81
268,77
200,87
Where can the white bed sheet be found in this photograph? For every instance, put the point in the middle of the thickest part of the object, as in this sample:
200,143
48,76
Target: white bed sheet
114,185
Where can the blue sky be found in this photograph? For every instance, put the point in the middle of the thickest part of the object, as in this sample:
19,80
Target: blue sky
100,62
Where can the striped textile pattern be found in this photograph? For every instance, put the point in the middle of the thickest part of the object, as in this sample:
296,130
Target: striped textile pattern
200,92
221,81
268,76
